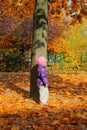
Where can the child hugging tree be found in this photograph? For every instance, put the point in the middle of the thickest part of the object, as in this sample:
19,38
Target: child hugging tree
42,81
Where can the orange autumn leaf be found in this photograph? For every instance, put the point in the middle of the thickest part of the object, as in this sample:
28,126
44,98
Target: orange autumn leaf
65,104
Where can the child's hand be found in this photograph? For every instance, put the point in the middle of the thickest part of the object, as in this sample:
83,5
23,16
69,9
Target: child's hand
46,85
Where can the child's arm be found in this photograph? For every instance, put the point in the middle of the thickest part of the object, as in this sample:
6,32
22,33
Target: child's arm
44,76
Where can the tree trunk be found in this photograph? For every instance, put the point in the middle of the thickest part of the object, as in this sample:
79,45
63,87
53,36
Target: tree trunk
39,42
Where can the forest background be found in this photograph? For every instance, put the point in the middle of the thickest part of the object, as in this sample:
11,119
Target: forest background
67,52
67,35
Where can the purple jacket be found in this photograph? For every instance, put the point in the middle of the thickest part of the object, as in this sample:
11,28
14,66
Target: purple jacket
42,76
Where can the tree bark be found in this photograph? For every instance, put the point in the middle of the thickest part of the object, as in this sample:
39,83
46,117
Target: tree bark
39,42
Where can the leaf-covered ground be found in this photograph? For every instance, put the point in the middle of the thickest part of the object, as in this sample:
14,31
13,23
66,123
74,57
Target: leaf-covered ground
67,103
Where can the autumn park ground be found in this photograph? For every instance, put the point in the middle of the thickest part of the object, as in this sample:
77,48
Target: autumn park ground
67,108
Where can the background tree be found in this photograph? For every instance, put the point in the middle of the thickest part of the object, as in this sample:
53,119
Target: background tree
16,28
39,41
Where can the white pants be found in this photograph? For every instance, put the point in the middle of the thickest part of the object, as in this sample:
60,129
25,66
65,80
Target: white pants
44,94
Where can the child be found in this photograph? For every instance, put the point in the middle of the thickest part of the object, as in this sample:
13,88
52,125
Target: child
42,81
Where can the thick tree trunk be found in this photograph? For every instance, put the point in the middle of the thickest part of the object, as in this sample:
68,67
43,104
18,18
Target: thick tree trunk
39,45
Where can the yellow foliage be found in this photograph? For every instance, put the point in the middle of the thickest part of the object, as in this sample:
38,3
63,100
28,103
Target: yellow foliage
15,128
